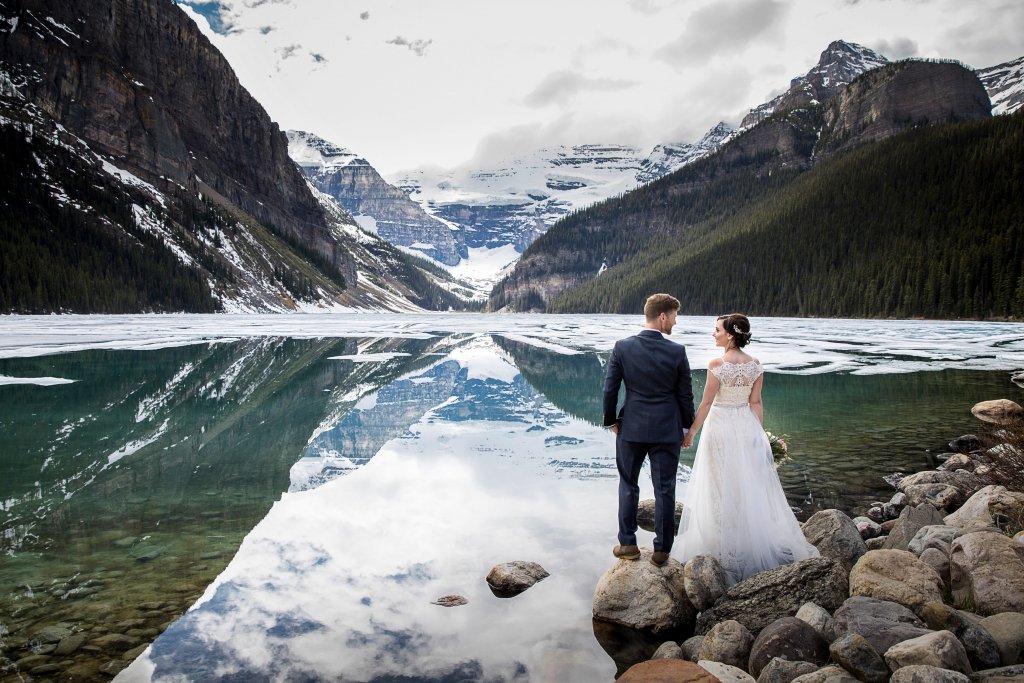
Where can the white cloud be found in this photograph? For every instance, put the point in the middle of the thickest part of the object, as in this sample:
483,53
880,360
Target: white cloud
724,28
561,86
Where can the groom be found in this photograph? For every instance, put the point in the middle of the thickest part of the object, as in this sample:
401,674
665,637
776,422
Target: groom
657,413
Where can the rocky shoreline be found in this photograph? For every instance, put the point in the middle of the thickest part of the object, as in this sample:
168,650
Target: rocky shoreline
927,587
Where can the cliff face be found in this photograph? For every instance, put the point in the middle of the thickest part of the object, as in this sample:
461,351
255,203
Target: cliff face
138,81
903,95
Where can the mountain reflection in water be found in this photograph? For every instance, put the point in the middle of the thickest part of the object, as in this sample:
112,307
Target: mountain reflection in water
366,490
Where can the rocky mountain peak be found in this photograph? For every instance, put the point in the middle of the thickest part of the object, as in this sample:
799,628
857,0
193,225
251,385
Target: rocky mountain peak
309,150
839,64
1005,85
668,157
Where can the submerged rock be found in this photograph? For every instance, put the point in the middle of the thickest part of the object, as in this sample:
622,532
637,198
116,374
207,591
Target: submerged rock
450,601
512,578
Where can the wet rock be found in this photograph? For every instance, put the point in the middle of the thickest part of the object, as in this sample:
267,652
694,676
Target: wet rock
46,669
937,536
896,576
909,523
922,673
704,581
1007,630
789,638
661,670
450,601
998,411
987,572
725,672
855,654
727,642
31,661
937,560
512,578
881,622
131,654
52,634
691,647
867,527
982,507
940,648
639,595
115,643
626,646
70,644
645,514
114,667
836,536
761,599
819,619
1004,674
668,650
967,443
780,670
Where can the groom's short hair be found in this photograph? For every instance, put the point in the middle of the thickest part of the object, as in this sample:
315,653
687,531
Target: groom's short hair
658,304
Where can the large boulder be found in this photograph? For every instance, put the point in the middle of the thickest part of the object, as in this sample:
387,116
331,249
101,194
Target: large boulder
881,622
704,580
1004,674
512,578
818,618
897,576
789,638
836,536
661,670
726,673
641,596
986,571
980,509
982,649
965,481
764,597
1001,411
910,521
939,648
1007,630
855,654
781,670
922,673
727,642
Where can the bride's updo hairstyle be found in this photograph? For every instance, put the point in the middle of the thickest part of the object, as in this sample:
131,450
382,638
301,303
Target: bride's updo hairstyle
738,327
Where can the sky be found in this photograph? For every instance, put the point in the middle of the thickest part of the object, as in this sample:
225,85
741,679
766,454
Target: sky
451,84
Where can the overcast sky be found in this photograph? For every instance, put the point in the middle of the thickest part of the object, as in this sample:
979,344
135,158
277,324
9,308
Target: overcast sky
414,83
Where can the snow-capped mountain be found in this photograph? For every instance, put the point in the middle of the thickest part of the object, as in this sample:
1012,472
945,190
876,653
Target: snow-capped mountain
376,205
1005,85
668,157
840,63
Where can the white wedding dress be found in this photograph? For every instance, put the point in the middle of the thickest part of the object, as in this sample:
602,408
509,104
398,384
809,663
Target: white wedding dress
734,507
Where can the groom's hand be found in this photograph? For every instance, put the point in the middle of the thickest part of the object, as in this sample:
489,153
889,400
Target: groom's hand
615,428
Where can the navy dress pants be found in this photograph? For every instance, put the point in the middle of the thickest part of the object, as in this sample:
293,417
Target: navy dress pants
629,457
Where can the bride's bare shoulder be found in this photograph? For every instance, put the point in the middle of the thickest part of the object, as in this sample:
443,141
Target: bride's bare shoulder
715,363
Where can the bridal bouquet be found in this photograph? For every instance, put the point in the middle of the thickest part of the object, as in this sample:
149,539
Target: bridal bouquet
780,448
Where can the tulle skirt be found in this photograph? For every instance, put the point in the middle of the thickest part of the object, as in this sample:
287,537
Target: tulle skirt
734,507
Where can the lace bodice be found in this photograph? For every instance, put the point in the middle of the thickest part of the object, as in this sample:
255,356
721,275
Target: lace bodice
736,380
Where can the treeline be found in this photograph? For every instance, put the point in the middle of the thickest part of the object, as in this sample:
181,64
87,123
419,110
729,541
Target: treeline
56,257
929,223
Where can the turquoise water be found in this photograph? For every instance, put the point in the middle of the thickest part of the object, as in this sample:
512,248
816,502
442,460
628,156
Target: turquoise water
127,495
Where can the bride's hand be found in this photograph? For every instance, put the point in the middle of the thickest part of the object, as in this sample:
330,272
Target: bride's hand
687,441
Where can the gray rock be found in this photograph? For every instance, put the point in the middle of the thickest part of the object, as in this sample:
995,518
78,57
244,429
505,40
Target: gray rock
726,673
982,648
940,496
639,595
691,647
922,673
819,619
645,514
727,642
704,580
958,461
512,578
966,482
781,670
789,638
1007,630
52,634
1004,674
855,654
910,521
70,644
986,571
875,514
828,673
882,623
937,560
937,536
939,648
668,650
769,595
876,543
836,536
867,527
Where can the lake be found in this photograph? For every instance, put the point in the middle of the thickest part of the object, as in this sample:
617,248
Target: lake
285,497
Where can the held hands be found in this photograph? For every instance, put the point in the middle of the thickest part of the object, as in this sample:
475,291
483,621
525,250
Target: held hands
688,440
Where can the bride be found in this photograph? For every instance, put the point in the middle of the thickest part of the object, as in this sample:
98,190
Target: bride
734,507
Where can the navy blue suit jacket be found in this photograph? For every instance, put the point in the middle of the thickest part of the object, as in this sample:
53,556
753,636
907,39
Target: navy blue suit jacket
659,395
